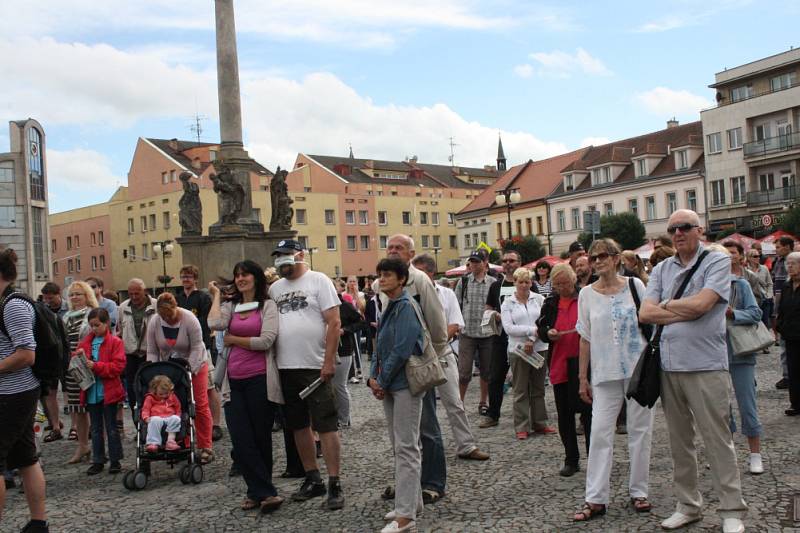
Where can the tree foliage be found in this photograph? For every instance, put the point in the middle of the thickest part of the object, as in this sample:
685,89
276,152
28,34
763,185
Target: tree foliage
530,248
625,228
791,222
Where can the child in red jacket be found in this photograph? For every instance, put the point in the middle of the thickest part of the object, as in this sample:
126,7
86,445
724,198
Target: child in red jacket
105,356
161,408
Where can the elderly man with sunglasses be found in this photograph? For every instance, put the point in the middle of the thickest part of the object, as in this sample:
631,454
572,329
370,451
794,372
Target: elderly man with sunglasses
695,383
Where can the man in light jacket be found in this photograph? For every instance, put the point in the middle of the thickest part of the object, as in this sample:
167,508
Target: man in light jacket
132,317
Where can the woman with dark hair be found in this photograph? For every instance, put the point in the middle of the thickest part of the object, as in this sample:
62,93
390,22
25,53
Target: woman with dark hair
251,381
400,335
174,332
541,278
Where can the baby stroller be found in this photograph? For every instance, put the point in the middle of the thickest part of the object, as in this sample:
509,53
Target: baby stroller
178,371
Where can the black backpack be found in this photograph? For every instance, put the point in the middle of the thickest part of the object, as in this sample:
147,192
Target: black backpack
52,346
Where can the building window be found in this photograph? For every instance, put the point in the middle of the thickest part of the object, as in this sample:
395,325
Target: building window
70,266
365,242
734,138
423,218
6,175
539,225
766,182
562,220
483,236
153,222
650,202
714,143
69,243
595,176
499,230
172,176
55,268
77,264
143,223
529,226
737,189
100,238
741,93
130,226
633,206
349,217
608,208
102,262
329,216
77,241
131,253
363,217
453,241
383,241
691,200
436,241
303,240
351,242
94,262
641,167
165,221
330,242
300,216
569,182
717,192
576,218
518,226
467,244
164,178
257,213
407,218
672,203
683,159
435,218
36,165
37,216
145,252
93,238
383,218
451,219
784,81
426,241
53,246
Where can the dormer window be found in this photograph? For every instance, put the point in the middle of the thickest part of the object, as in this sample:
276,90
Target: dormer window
641,167
601,176
683,159
569,184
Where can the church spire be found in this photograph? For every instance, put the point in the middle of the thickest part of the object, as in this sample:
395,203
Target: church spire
351,151
501,156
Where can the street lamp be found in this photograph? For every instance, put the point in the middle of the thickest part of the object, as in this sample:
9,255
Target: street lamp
436,257
165,247
311,256
508,197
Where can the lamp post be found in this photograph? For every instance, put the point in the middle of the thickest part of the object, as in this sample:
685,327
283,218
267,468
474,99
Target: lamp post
311,256
508,197
164,248
436,257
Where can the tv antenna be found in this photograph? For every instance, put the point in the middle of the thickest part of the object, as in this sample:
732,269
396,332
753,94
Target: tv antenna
452,157
197,128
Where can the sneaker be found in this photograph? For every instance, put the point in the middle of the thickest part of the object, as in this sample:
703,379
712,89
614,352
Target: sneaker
392,515
115,468
568,470
679,520
732,525
756,464
394,527
475,455
355,380
488,422
152,448
335,496
522,435
96,468
309,489
545,430
782,384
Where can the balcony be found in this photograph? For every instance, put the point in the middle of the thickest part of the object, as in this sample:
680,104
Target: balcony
772,145
773,196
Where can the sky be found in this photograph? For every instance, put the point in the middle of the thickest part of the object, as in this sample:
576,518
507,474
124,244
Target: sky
392,78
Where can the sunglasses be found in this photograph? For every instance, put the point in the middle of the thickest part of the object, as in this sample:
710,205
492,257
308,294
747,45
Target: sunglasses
685,227
755,255
602,256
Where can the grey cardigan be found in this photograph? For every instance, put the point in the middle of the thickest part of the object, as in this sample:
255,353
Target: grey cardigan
264,342
188,345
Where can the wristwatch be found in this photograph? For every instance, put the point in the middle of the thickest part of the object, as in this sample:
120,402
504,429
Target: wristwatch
663,305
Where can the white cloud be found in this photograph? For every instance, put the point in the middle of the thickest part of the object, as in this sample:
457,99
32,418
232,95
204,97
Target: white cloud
560,64
670,102
81,170
691,13
594,141
523,71
670,22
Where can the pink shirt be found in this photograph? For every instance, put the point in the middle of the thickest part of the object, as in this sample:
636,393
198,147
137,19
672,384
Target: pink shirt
244,363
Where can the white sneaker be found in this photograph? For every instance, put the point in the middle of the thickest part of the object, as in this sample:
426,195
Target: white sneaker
392,515
394,527
732,525
679,520
756,464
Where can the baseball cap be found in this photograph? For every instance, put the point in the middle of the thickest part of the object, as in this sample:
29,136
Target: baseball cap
287,246
575,247
477,255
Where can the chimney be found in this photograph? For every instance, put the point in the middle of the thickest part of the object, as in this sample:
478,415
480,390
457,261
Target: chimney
672,123
173,144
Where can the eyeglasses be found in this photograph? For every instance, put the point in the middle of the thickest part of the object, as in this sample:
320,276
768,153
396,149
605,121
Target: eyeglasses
543,266
685,227
755,255
510,261
602,256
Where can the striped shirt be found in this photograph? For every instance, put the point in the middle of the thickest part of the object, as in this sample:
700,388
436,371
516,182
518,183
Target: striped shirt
18,319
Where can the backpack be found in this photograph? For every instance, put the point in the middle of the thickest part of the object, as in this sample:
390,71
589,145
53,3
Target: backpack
465,281
52,346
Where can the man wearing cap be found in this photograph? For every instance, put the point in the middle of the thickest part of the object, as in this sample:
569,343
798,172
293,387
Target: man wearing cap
471,292
575,251
308,338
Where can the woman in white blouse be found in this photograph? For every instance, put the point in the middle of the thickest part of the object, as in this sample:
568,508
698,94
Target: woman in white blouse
519,312
612,342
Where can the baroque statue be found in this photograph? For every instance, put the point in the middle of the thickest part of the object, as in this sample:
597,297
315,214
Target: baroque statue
190,209
282,211
229,192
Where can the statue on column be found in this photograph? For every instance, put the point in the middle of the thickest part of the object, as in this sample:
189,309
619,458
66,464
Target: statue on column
282,211
190,209
229,192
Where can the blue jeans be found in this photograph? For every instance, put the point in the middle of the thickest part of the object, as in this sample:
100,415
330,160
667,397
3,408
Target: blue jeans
434,465
744,387
100,416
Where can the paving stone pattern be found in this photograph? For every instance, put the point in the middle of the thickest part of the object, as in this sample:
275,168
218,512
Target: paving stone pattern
519,489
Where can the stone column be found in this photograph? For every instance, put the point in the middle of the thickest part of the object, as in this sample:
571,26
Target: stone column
230,106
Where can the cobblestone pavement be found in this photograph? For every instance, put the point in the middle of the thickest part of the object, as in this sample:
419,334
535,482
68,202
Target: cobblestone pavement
519,489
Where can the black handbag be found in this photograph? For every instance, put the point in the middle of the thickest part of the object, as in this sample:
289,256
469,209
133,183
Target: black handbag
645,383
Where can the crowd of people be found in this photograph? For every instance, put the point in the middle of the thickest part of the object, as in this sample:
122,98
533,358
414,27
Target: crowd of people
277,349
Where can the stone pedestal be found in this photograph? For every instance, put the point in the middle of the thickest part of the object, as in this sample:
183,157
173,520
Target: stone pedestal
216,256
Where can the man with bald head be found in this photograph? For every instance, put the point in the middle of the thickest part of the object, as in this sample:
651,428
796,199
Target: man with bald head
132,317
695,382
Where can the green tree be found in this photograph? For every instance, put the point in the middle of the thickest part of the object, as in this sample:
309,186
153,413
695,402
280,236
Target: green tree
530,248
625,228
791,222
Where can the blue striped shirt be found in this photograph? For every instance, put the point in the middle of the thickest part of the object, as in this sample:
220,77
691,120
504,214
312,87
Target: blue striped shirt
18,318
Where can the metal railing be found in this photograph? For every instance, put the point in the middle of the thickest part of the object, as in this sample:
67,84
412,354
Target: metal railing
779,143
773,196
726,99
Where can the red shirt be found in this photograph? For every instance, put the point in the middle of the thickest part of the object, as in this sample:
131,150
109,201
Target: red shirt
567,346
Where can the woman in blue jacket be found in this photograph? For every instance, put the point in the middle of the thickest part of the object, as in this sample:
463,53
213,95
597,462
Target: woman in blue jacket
743,309
400,335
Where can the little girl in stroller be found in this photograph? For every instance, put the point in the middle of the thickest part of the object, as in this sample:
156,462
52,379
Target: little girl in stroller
161,408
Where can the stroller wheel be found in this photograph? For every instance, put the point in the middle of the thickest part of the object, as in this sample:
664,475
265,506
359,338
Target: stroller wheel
196,474
127,480
139,480
185,474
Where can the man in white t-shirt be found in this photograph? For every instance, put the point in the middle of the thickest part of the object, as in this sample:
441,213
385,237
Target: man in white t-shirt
308,338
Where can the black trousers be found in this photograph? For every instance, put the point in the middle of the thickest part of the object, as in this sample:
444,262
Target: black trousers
497,375
793,363
567,406
293,463
132,364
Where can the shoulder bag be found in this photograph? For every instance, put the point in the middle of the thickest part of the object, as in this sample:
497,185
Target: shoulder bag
645,383
424,371
747,339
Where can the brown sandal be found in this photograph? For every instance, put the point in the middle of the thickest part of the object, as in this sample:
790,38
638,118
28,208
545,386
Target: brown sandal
641,505
205,456
588,512
249,504
271,504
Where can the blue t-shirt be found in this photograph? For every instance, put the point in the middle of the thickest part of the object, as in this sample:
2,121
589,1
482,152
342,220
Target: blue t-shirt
95,392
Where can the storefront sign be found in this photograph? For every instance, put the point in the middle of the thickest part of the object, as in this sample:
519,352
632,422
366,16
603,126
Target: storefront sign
767,221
